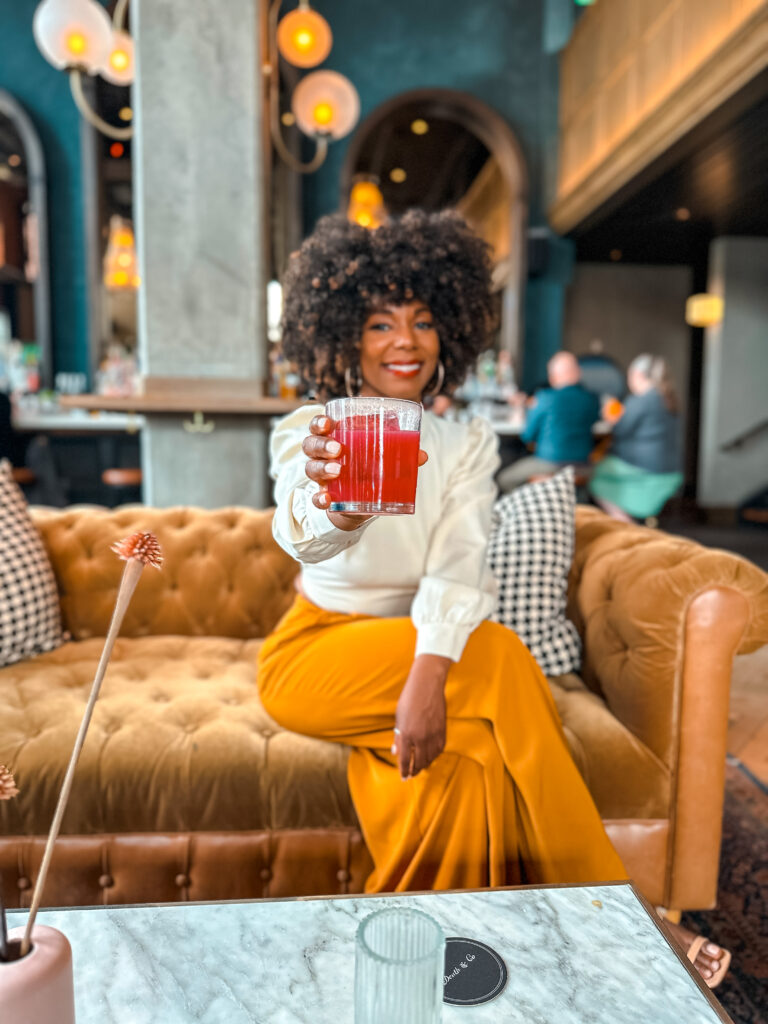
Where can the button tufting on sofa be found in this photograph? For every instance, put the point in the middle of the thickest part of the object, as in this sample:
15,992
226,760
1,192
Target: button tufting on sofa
249,802
106,881
22,882
181,880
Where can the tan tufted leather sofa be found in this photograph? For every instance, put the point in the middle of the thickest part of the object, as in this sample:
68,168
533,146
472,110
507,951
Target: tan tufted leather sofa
187,790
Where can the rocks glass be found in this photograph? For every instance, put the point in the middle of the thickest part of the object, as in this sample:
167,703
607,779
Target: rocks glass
380,456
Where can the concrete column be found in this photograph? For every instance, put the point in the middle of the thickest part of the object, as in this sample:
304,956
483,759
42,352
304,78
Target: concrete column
733,454
199,185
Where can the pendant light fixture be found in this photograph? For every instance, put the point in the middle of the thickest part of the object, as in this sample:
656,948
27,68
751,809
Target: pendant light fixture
78,37
120,266
366,202
304,37
325,105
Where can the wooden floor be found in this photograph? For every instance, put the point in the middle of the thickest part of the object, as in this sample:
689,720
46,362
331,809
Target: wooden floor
748,719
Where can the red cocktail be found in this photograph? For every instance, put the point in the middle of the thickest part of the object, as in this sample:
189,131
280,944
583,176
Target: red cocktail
380,455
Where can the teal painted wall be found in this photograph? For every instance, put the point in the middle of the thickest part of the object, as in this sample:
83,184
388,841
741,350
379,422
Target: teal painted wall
492,49
545,312
44,93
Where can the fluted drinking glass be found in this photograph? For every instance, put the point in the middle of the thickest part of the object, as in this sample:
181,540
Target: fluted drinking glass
399,965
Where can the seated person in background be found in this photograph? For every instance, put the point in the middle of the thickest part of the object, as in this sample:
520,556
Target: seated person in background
643,470
559,424
44,487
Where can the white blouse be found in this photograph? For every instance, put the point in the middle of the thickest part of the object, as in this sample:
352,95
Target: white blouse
430,565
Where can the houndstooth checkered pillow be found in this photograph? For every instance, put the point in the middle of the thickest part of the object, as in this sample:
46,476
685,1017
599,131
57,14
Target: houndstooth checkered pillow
30,622
530,552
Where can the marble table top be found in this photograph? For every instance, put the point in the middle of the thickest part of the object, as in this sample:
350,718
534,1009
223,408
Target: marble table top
574,954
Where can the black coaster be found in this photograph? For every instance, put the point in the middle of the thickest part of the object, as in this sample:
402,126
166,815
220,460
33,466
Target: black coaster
474,973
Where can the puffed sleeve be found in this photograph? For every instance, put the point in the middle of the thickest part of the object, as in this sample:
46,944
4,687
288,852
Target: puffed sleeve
457,591
299,527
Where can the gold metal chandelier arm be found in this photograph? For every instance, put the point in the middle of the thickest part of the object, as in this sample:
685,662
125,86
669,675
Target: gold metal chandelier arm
272,75
279,143
118,18
76,85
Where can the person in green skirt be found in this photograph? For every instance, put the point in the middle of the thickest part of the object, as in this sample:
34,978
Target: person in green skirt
642,471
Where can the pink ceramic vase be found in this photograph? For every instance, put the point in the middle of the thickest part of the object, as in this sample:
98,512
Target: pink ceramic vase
39,988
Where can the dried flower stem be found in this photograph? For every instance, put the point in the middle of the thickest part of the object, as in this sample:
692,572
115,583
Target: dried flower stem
131,574
8,787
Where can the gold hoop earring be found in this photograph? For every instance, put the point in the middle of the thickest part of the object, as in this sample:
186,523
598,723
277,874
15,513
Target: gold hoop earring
351,392
440,379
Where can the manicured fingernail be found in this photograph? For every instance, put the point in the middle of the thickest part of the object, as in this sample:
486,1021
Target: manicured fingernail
711,948
393,749
323,422
324,499
332,468
706,973
333,447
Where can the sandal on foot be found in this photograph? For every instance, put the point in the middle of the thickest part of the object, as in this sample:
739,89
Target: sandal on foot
723,964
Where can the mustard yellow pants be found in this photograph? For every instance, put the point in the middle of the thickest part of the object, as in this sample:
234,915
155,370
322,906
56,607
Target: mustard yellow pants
503,805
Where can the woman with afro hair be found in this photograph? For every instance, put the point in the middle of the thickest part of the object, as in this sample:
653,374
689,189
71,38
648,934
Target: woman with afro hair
459,770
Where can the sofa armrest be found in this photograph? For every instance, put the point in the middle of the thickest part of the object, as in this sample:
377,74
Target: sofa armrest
662,619
631,595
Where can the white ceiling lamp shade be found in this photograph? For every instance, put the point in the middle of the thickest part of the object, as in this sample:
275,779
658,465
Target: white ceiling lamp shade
73,34
326,104
304,38
119,65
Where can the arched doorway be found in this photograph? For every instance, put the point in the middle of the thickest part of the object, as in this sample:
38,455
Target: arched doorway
437,148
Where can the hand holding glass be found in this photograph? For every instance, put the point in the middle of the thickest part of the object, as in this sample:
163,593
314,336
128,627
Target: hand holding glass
380,455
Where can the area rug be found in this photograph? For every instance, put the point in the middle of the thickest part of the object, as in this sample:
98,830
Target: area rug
740,921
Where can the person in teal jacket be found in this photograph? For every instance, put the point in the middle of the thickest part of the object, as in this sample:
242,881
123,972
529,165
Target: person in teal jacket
559,425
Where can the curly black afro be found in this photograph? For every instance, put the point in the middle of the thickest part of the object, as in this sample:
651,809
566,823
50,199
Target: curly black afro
343,272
